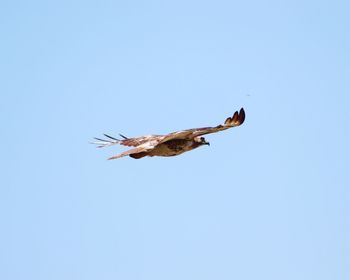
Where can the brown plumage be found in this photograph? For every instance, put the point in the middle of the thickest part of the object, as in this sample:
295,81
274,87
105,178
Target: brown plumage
171,144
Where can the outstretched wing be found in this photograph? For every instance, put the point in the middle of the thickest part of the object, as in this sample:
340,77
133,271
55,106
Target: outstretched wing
236,120
137,152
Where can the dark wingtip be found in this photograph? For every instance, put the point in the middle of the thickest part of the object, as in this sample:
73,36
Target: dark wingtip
235,117
241,116
121,135
110,137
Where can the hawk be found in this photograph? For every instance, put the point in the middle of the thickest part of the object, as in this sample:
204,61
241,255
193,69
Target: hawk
171,144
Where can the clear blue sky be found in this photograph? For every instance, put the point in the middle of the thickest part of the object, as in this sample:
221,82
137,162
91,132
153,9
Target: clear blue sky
268,200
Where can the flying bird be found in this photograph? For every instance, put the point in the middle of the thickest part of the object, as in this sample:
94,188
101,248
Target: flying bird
171,144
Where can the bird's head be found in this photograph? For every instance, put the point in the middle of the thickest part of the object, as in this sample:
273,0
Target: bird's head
201,141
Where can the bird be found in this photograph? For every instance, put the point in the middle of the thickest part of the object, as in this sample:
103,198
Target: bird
168,145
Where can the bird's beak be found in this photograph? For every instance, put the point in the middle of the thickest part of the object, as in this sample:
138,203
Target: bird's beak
207,143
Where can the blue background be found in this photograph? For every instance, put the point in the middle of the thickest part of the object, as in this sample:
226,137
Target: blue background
267,200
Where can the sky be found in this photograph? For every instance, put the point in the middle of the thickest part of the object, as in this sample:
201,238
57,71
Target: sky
267,200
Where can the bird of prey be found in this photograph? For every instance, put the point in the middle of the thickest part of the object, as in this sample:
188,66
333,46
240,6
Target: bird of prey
171,144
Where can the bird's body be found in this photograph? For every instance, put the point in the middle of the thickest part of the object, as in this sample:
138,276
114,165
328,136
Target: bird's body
171,144
170,148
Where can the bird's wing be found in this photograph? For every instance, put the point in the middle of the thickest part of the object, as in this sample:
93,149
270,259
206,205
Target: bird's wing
131,142
236,120
137,141
144,148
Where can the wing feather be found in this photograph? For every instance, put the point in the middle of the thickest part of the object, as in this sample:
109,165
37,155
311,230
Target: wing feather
129,152
137,141
130,142
140,149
